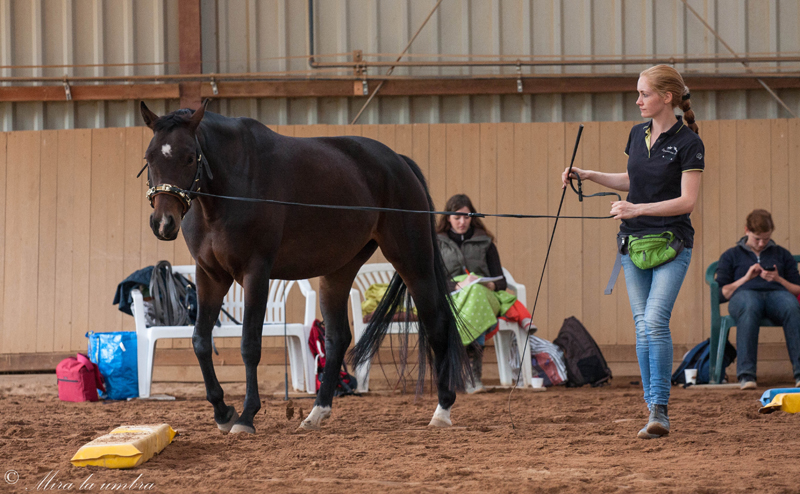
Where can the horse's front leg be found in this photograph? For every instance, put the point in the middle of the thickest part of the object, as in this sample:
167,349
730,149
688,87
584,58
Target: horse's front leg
210,294
256,294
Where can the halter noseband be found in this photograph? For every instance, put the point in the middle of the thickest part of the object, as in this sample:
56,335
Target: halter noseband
182,194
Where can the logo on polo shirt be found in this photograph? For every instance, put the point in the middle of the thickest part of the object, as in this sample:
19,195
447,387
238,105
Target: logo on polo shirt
670,150
699,156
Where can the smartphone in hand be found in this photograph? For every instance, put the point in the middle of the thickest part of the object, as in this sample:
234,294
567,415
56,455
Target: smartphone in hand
768,268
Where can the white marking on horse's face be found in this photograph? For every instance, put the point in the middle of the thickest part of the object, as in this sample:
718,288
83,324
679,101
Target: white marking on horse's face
166,150
163,224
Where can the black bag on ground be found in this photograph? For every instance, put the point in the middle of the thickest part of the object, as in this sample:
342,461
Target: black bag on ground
699,358
585,361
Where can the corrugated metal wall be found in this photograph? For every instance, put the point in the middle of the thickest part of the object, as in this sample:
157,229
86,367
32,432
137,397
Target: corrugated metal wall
257,35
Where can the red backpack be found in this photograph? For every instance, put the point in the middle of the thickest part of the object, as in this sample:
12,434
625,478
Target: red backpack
316,342
78,379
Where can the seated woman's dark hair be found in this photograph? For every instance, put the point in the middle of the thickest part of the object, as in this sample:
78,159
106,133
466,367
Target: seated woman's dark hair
455,203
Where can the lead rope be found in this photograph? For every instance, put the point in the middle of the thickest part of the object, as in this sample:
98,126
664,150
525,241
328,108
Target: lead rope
286,349
541,278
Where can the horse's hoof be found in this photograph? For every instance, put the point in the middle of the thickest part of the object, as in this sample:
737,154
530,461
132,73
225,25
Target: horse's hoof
227,426
441,418
308,426
435,422
314,420
238,428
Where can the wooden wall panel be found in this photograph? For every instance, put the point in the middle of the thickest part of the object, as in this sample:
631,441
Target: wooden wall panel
48,187
793,139
437,161
560,298
3,232
538,182
708,248
487,201
22,242
454,160
133,218
519,184
471,165
75,222
505,199
779,180
404,139
594,278
107,214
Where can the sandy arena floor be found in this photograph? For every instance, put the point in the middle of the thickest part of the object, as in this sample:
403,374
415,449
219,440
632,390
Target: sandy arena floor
566,440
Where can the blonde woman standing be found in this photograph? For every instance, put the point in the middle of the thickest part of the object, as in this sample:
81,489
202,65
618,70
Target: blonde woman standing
665,161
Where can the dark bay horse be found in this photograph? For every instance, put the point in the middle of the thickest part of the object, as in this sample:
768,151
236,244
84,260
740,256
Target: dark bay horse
252,242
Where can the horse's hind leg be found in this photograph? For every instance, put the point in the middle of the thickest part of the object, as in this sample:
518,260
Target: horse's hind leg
334,290
210,295
418,269
434,316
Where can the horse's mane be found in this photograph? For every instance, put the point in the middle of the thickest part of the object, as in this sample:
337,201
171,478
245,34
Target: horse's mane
181,117
172,120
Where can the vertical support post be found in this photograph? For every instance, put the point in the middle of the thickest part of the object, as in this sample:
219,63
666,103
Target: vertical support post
190,50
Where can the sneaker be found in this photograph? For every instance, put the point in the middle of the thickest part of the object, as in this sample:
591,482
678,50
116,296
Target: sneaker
747,383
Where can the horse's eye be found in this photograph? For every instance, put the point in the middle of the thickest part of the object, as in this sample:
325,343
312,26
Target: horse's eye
189,160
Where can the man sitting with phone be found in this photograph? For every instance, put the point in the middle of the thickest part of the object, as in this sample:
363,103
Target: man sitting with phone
760,279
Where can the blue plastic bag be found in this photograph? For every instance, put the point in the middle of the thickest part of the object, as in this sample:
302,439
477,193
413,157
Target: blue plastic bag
116,356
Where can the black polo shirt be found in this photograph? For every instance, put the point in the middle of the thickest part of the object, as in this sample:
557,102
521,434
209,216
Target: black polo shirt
655,175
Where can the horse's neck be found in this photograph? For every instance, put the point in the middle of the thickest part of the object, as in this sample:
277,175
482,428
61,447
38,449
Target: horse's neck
230,161
224,157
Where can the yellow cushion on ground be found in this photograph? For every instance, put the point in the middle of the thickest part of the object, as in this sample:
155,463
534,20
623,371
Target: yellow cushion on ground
788,402
125,447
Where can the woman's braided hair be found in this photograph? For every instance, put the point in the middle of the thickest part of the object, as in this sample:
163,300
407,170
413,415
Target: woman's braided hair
666,80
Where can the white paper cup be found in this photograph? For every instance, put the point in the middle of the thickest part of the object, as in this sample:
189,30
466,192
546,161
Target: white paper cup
691,376
537,382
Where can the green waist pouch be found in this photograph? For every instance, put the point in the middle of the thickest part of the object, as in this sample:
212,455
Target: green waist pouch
650,251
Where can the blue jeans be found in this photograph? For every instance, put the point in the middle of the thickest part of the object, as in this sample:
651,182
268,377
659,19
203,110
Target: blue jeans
748,307
652,294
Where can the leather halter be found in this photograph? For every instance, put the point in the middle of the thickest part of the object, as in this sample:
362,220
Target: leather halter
185,196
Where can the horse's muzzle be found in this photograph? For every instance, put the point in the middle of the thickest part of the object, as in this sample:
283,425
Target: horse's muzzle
165,227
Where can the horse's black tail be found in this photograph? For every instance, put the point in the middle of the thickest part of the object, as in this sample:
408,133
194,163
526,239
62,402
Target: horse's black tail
455,364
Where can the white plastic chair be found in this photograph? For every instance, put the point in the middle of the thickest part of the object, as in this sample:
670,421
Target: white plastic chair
301,361
370,274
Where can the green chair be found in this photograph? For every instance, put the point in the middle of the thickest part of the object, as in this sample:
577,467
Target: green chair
721,326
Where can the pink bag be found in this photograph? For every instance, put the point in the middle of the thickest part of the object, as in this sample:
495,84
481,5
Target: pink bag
78,379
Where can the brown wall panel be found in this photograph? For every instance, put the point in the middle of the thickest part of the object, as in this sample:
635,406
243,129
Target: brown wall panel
708,249
3,233
48,186
793,138
594,276
540,228
22,242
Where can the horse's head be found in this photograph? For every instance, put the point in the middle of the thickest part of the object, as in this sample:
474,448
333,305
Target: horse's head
174,166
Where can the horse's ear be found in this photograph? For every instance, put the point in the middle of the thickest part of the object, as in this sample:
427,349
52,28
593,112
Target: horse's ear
197,116
149,117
